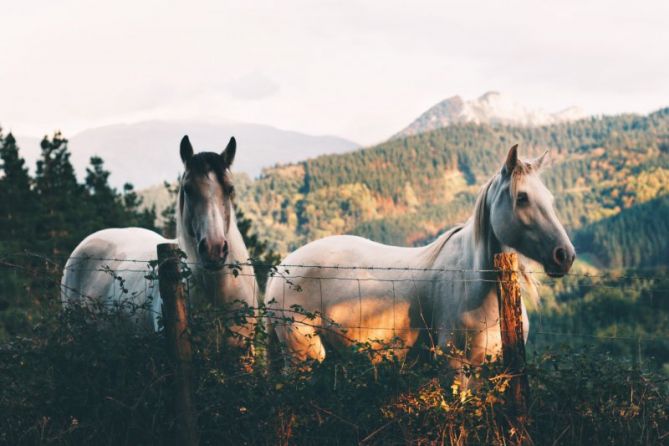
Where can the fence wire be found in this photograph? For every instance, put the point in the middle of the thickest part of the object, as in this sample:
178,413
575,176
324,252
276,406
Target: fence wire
48,270
60,260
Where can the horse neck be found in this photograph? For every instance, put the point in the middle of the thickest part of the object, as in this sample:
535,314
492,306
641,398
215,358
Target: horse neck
459,249
470,251
238,251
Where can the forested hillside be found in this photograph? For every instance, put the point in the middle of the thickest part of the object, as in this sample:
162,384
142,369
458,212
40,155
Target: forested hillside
406,191
635,238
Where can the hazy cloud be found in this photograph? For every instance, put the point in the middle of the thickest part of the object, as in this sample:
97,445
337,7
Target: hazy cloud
252,86
359,69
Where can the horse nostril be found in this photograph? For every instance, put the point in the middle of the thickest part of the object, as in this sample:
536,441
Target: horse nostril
560,255
202,247
224,249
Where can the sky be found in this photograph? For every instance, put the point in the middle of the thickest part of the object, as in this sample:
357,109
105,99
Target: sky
362,70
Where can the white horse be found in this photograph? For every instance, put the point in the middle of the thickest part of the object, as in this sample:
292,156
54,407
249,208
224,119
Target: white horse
445,290
110,266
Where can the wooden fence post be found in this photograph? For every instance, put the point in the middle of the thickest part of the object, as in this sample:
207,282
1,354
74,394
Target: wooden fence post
513,341
175,318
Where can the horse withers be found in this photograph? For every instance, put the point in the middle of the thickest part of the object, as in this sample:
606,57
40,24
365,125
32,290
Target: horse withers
351,289
110,267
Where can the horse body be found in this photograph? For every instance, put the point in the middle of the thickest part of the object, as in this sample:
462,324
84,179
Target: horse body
110,267
391,292
445,290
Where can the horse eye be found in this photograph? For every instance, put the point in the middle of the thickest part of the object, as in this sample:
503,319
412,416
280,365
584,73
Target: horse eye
522,198
188,189
231,190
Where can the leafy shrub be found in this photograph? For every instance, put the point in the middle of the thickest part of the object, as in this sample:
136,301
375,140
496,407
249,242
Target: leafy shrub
74,382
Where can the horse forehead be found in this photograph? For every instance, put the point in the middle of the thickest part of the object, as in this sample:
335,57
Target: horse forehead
205,175
540,188
211,185
533,185
205,162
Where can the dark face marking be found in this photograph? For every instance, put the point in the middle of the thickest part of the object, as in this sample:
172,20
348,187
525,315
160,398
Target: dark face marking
205,204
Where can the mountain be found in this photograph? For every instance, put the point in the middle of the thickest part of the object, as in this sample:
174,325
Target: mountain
491,108
407,190
147,153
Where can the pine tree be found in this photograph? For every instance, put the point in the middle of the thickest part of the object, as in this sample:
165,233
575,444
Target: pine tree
63,208
103,199
17,199
262,257
169,214
112,209
18,213
134,214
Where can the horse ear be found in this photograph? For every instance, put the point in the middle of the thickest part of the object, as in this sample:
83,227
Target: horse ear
511,160
186,149
539,162
229,153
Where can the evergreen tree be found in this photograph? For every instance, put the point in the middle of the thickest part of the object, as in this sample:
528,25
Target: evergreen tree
103,199
18,213
262,257
62,200
134,214
17,199
112,209
169,214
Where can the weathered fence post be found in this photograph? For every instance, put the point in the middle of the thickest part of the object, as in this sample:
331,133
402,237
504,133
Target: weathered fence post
175,318
513,341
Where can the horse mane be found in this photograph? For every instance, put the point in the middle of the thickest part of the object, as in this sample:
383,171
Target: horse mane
481,212
481,217
441,241
179,211
480,220
482,228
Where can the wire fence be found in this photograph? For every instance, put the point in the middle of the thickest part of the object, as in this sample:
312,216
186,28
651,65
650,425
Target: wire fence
60,260
396,284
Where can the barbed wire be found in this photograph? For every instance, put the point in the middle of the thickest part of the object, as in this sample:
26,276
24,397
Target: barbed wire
611,274
237,271
234,270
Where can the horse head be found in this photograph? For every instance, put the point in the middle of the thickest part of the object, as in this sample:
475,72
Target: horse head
205,202
521,215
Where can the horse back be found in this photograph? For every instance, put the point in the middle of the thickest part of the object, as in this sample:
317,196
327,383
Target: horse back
110,266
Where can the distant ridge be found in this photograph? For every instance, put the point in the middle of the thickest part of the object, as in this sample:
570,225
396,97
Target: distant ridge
147,153
491,108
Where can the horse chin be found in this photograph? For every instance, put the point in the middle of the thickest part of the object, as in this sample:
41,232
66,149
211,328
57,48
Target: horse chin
555,274
554,271
214,265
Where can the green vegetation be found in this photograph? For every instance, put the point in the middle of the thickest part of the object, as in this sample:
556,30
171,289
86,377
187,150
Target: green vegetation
74,383
599,344
406,191
634,238
624,317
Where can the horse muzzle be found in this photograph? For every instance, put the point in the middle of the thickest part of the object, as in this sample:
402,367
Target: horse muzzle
561,261
213,255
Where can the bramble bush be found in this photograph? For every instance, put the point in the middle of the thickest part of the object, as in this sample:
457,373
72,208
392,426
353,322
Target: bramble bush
76,380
